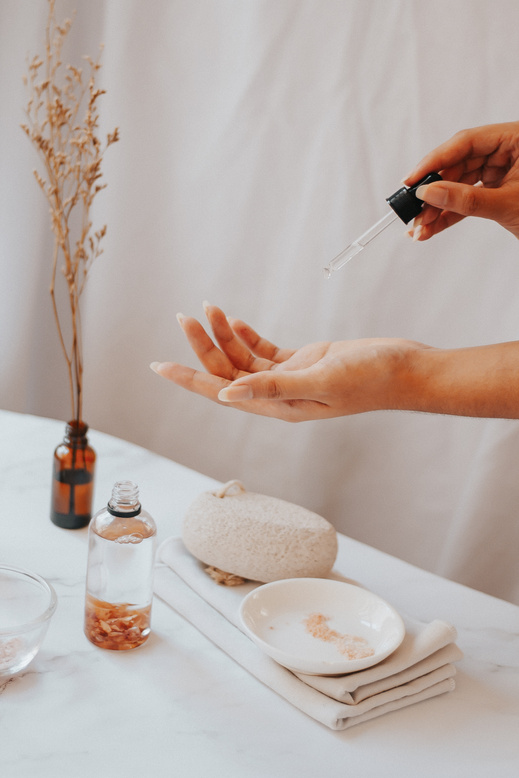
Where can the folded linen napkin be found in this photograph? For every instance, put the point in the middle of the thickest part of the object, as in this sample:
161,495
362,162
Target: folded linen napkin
419,669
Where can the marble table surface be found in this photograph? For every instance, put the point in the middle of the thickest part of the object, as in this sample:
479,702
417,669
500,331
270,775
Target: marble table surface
178,706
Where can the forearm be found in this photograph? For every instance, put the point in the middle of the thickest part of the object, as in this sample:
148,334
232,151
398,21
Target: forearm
482,381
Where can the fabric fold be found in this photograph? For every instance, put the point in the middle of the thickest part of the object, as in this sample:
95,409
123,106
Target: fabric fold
421,668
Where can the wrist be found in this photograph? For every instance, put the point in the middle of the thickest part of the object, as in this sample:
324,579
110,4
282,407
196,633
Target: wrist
413,376
478,381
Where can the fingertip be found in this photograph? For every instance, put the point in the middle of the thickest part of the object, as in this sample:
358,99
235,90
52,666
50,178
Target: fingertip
213,312
157,367
436,194
230,394
223,395
410,178
417,233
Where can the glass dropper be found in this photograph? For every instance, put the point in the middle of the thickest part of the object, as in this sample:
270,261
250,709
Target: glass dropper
357,245
405,205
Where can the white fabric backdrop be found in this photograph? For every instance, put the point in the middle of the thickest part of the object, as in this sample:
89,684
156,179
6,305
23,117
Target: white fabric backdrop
258,138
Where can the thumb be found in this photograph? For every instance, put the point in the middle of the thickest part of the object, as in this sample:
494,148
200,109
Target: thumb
282,385
464,199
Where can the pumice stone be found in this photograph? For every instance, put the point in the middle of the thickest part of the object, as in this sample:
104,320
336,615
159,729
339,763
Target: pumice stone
257,537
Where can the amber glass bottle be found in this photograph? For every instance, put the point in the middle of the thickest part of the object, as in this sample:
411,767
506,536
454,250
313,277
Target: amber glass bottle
73,479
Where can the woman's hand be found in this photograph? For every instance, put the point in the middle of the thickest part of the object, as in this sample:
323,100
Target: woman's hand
323,380
317,381
480,168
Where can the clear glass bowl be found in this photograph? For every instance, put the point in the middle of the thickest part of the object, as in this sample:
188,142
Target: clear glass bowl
27,602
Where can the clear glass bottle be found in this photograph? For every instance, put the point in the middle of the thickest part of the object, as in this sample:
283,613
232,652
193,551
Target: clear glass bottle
119,582
73,479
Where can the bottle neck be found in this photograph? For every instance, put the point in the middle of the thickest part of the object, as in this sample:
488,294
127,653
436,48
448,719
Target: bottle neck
124,500
75,433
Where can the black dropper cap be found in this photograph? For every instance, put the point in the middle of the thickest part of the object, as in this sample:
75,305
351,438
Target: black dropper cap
405,203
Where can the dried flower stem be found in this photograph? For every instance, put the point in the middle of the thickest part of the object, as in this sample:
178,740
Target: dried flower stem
71,153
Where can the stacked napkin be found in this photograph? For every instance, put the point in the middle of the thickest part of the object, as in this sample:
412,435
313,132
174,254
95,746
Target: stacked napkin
420,668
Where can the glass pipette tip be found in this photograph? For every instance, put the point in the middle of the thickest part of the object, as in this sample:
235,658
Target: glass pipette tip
357,245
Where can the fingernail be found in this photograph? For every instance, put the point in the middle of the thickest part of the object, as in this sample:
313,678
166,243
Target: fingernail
417,232
232,394
155,366
180,318
206,305
433,194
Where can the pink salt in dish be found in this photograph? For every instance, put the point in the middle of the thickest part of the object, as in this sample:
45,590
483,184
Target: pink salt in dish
351,646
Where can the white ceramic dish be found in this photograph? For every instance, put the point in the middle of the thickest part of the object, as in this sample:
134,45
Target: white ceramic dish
320,626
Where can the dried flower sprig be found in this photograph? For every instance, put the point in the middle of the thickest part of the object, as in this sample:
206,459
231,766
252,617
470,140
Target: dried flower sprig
71,151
